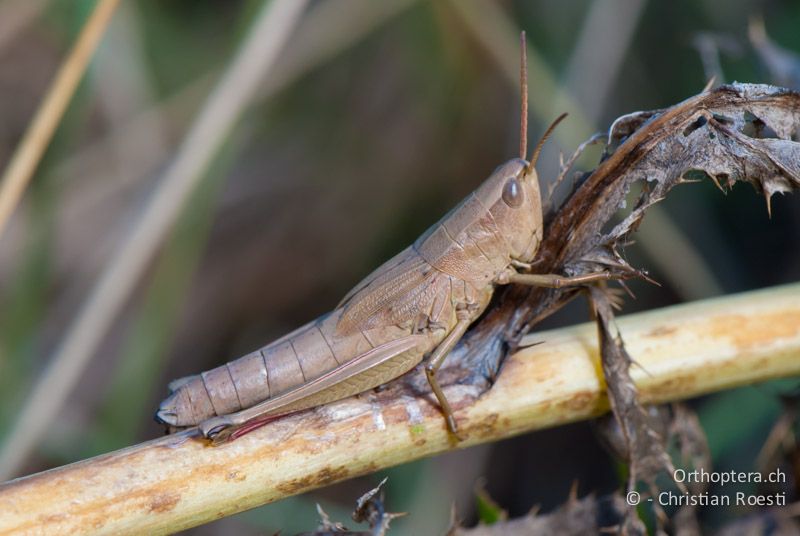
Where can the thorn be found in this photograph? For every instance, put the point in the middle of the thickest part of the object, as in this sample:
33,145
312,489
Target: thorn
716,182
768,197
529,345
615,298
709,84
534,511
573,491
325,520
644,275
627,289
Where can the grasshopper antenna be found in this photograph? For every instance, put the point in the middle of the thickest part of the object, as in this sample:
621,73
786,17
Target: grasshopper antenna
523,115
523,84
547,133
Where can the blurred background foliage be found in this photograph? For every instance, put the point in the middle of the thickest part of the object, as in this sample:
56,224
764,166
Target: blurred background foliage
378,118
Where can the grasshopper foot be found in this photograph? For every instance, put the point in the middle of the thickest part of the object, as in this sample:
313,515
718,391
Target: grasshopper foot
213,427
453,427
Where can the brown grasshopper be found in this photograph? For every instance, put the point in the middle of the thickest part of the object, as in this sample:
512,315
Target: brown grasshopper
417,304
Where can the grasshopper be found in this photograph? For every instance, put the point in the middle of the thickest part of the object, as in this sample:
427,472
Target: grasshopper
416,305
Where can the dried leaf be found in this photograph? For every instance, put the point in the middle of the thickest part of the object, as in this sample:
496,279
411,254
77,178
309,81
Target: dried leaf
773,522
612,436
735,133
739,132
645,447
685,430
609,514
781,449
369,509
589,515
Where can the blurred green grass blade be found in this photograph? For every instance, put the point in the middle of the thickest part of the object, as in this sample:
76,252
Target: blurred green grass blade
489,512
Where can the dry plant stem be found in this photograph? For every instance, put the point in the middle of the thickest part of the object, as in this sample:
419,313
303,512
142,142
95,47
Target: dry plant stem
237,87
30,150
166,485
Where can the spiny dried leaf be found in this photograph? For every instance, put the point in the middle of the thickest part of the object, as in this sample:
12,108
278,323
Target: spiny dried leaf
776,522
645,448
679,428
686,431
612,436
781,449
589,515
739,132
369,509
735,133
608,515
326,526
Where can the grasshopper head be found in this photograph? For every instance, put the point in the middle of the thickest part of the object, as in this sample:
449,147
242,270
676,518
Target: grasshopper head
511,194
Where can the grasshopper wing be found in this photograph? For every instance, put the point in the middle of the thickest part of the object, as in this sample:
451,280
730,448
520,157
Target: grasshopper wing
370,369
399,291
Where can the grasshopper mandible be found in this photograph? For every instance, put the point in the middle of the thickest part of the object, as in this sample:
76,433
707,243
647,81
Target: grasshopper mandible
417,304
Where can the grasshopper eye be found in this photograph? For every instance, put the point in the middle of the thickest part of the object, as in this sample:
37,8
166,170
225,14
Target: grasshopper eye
512,193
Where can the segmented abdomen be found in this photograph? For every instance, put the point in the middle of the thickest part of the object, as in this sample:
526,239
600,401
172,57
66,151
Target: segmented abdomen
293,360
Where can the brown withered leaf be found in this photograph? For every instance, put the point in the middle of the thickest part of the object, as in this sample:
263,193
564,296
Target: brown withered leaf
589,515
686,431
609,515
369,509
675,426
777,522
642,446
734,133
